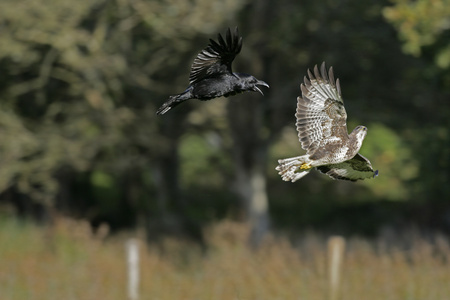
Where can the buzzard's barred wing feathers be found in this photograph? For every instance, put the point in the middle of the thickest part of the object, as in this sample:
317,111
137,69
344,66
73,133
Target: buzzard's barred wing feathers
217,57
357,168
321,116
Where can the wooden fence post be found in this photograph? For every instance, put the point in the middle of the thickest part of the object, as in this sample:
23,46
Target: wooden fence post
132,254
336,248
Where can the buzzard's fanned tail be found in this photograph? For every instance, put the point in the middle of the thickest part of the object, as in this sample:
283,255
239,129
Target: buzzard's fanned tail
288,168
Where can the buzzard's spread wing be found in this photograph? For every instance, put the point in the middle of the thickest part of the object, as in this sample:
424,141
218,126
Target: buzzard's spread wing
217,57
354,169
321,116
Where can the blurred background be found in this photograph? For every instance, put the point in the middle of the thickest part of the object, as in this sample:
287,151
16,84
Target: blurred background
81,81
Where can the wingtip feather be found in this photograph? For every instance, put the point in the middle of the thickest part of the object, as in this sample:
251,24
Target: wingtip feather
338,87
310,75
331,76
323,71
316,72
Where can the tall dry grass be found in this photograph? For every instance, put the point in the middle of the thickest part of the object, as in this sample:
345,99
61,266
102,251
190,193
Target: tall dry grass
69,262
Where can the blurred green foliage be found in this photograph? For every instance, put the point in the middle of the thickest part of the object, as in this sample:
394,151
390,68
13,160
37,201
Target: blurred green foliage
81,80
422,23
394,158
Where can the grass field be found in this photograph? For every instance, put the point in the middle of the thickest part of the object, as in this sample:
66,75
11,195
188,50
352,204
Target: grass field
69,262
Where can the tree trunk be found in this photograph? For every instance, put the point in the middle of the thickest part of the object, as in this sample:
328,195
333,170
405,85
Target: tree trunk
250,155
170,217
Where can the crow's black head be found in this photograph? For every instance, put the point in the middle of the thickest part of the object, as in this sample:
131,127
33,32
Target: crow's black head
249,83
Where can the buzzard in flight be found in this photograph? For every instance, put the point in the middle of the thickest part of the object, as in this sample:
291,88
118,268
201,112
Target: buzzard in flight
322,130
211,75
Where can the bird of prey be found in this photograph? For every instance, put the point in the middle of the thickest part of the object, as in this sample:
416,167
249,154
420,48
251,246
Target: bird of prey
211,74
322,131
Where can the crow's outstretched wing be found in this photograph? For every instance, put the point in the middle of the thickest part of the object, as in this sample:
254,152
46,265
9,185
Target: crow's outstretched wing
216,59
321,116
354,169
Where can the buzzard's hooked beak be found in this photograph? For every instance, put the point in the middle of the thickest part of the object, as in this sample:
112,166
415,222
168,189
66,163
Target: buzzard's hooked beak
257,89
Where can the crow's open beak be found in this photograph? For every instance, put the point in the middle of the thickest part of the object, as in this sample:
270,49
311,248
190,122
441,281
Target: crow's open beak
257,89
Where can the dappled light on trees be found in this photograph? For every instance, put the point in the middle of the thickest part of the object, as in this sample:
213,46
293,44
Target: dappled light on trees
81,82
422,23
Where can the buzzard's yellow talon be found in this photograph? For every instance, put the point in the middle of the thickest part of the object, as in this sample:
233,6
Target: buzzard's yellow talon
305,166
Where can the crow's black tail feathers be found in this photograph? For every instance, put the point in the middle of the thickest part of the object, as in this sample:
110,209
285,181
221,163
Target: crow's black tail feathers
168,105
174,101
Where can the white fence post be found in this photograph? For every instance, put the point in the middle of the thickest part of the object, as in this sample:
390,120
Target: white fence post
132,253
336,248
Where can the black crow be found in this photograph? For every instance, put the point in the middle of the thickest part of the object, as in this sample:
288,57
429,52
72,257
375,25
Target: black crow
211,75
